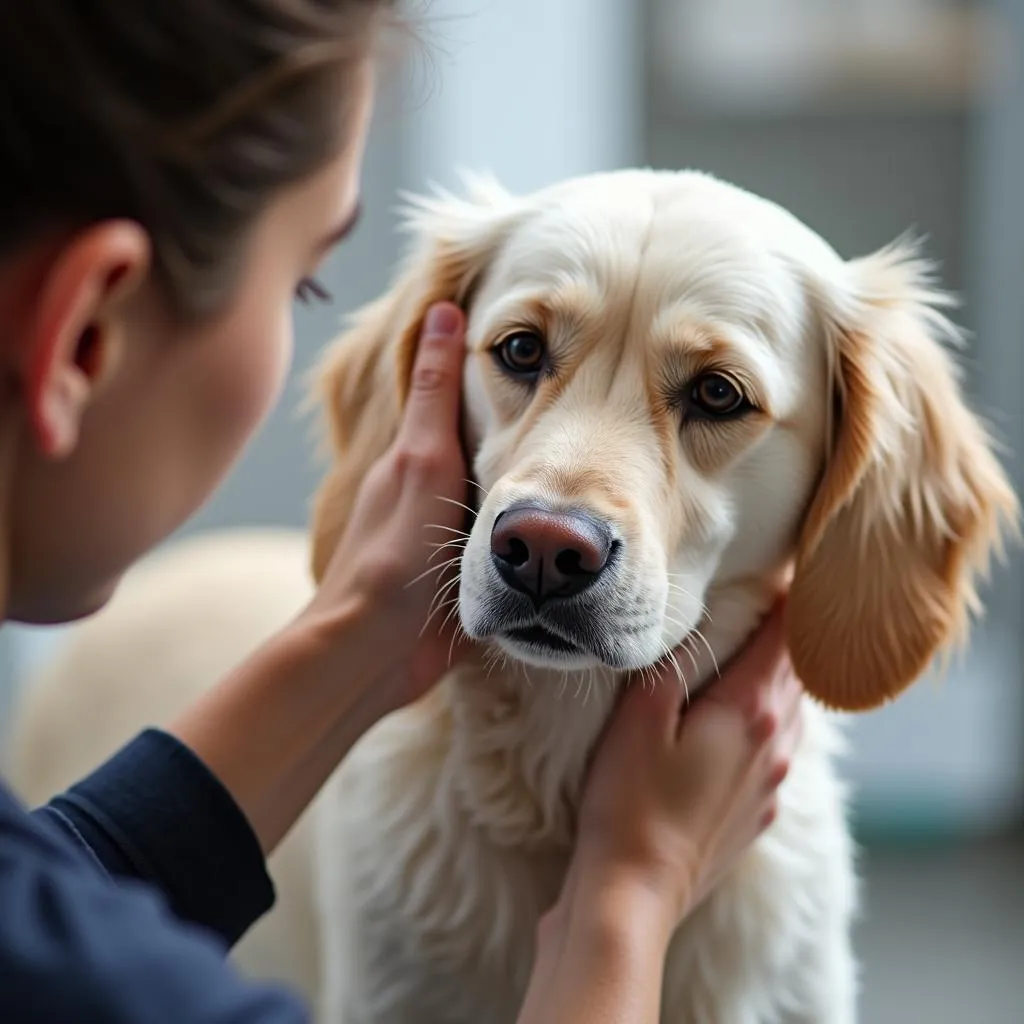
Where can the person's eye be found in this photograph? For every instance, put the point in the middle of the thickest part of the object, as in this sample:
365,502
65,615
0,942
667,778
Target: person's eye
310,290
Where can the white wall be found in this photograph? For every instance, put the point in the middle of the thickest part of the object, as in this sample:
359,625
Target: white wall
531,90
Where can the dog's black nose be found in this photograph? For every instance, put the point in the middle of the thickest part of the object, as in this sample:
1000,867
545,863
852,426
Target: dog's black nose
547,554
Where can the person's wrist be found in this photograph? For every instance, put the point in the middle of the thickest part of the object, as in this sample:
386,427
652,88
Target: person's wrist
615,902
337,629
345,650
663,865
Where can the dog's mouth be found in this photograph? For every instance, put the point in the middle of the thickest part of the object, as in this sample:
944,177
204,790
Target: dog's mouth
542,640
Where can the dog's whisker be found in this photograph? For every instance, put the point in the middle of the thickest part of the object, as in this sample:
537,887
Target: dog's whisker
458,544
461,540
690,650
452,611
690,653
458,504
680,675
440,602
673,621
433,571
522,668
697,634
653,675
449,529
445,587
590,685
670,654
491,667
565,682
452,602
643,677
441,551
675,588
452,560
451,647
479,486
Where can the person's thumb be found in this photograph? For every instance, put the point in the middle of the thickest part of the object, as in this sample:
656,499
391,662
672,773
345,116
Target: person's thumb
436,383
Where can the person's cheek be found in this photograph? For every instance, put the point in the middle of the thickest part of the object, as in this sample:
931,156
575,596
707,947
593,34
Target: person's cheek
249,381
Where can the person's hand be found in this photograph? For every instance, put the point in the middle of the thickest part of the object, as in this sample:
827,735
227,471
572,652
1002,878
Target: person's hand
398,555
675,795
673,798
277,726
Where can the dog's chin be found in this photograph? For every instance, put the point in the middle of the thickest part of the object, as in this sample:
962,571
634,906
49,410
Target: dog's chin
540,648
556,640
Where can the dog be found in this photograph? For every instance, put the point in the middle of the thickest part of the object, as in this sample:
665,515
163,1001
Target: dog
677,398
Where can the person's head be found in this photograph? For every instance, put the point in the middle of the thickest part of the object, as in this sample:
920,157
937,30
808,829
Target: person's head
171,175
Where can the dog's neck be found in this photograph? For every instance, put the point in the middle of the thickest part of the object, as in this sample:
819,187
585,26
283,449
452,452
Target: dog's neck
529,732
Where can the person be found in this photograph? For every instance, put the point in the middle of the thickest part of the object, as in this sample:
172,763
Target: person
171,176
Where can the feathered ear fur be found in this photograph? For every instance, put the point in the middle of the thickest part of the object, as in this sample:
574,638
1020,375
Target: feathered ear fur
362,382
912,503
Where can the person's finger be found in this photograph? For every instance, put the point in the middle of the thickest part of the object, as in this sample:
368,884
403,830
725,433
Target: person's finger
432,407
646,710
788,693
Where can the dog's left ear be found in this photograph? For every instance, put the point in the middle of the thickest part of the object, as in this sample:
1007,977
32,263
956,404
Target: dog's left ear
362,382
912,503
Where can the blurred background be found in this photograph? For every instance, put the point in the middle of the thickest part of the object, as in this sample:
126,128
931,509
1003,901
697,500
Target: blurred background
865,118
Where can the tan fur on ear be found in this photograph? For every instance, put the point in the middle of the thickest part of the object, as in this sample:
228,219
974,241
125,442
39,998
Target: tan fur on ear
911,506
362,382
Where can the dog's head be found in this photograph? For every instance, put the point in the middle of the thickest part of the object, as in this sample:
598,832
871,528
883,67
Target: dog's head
673,387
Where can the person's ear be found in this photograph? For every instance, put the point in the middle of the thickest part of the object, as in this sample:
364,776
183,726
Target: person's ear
77,329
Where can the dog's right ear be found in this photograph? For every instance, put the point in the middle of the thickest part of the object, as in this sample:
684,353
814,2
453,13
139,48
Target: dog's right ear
362,382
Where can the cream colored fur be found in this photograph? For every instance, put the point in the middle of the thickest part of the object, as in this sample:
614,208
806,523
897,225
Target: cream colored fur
445,835
178,623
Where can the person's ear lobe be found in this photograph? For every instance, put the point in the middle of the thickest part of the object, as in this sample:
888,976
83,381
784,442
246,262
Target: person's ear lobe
78,329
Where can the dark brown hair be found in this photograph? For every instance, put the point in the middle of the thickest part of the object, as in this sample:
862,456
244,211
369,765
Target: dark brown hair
186,116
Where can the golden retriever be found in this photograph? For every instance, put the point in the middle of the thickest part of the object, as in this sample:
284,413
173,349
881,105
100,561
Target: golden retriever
676,395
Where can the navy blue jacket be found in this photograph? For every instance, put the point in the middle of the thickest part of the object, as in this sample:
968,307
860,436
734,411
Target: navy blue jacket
121,897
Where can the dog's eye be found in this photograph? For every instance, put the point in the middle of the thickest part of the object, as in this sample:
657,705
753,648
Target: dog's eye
523,353
716,395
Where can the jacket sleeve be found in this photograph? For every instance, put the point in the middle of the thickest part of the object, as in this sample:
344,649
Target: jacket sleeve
155,813
76,948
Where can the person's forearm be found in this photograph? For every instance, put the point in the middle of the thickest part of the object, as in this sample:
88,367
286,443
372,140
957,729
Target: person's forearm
276,728
603,961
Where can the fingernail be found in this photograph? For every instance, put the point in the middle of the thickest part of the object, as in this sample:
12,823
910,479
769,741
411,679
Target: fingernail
442,319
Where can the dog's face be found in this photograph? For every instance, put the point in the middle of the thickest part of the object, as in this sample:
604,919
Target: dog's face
673,388
646,408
